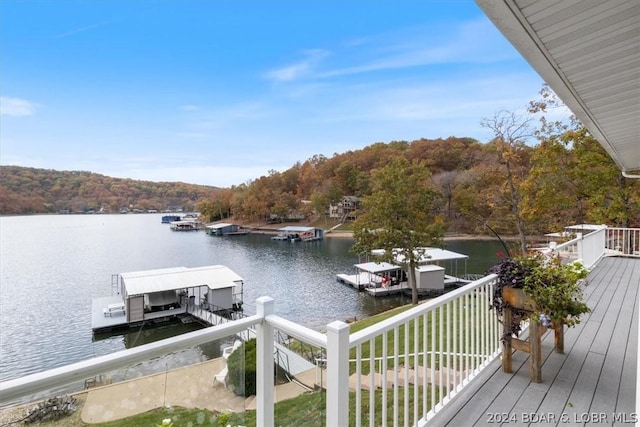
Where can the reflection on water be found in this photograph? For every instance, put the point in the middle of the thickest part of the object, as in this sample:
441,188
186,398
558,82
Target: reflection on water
52,266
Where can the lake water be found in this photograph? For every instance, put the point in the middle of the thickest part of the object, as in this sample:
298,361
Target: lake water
51,267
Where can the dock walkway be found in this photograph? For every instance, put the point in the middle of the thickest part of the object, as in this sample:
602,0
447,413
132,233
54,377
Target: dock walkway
291,361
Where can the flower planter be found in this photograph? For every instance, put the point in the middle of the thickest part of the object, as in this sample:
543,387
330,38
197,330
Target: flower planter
553,292
518,300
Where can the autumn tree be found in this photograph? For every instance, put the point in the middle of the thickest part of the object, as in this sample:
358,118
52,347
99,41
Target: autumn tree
572,177
511,130
446,182
328,193
400,217
311,175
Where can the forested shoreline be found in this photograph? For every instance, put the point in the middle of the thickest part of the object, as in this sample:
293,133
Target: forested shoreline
581,185
25,190
509,185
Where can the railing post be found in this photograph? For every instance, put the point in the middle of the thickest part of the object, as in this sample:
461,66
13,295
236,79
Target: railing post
264,364
337,374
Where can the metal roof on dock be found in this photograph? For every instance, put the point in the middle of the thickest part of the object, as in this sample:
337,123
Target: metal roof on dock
377,267
427,254
220,225
296,229
167,279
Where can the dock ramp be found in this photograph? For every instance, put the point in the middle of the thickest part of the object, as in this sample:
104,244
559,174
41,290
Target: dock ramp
291,361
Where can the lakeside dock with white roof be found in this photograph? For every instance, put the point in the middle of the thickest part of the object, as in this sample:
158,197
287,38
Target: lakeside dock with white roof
384,278
371,275
294,233
156,295
226,229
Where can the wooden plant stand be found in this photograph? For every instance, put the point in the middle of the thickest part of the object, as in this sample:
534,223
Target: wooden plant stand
519,300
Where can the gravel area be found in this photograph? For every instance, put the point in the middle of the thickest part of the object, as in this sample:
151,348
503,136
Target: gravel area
8,416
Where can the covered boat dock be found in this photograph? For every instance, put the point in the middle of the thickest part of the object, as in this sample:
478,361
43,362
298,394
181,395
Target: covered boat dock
384,278
155,295
225,229
373,275
294,233
436,256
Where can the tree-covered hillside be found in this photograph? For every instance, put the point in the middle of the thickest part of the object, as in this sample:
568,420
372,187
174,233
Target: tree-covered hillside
505,185
29,190
508,185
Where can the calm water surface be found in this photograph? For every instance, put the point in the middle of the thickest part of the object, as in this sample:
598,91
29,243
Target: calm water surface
52,266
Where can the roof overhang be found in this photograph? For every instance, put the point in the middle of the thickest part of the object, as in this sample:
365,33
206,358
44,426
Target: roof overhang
588,52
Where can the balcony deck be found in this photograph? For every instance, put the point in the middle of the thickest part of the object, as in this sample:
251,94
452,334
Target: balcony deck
593,382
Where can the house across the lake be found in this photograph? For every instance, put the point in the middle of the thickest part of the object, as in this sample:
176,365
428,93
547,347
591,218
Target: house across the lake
345,209
157,295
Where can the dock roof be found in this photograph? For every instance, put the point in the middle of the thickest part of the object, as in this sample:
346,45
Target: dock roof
167,279
377,267
429,255
219,225
296,229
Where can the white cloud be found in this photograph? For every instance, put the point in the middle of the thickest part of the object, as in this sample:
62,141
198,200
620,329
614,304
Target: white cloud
80,30
189,107
295,71
16,107
475,41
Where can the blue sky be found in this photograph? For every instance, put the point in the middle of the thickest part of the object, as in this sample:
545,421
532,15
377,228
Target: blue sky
220,92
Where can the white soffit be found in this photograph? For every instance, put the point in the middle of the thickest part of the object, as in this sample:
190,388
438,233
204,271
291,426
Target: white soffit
588,51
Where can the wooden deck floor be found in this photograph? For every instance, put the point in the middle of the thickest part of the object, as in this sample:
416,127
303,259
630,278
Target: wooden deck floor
593,383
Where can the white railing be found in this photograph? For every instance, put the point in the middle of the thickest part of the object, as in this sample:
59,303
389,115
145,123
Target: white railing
409,366
424,355
77,372
587,248
623,241
416,362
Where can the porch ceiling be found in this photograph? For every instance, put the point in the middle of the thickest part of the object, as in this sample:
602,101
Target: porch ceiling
588,51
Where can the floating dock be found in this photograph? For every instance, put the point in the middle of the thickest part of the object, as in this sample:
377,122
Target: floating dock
159,295
372,275
384,278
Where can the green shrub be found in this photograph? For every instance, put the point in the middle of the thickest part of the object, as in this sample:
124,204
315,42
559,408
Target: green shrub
242,369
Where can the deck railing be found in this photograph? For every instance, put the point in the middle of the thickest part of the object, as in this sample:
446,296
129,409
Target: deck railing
418,360
623,241
400,371
414,363
587,248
